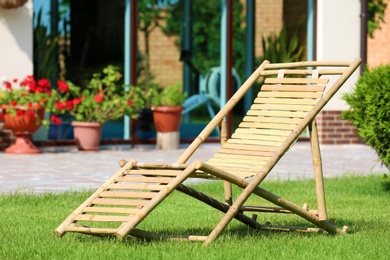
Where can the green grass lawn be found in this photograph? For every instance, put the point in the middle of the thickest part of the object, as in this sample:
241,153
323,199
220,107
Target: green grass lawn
27,224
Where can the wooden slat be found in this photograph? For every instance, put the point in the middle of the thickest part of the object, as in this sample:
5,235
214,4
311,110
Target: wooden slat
111,210
159,172
119,186
235,163
281,94
253,142
88,230
241,156
282,107
249,147
119,202
267,126
263,131
296,81
304,72
238,161
280,114
256,153
293,88
264,119
274,138
163,166
144,179
304,64
287,101
116,194
102,218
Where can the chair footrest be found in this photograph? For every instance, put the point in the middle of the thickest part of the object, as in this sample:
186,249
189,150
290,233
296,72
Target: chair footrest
265,209
89,230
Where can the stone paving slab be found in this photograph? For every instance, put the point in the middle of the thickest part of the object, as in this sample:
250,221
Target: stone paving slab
60,169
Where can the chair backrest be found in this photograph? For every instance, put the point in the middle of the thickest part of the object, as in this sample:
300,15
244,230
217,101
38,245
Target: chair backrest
291,96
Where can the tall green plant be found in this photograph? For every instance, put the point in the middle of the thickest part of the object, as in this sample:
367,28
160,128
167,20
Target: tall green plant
370,110
277,47
45,47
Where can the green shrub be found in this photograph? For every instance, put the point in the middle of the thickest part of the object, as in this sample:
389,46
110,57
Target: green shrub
385,182
370,110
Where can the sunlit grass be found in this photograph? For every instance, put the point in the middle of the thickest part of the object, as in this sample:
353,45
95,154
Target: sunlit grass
27,225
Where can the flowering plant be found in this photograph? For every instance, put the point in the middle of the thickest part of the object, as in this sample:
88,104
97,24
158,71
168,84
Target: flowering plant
102,99
27,98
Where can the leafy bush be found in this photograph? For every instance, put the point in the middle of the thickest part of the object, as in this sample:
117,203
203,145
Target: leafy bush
370,110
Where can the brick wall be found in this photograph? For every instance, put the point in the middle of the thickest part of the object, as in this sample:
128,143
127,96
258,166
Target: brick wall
378,48
164,57
269,19
333,130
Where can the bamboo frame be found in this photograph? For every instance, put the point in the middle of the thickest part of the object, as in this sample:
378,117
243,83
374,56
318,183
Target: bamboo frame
253,150
317,165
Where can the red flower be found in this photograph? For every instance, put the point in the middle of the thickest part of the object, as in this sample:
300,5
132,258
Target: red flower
14,103
27,81
43,100
62,86
29,105
55,120
76,101
44,83
98,98
1,115
39,90
7,85
69,104
31,86
24,94
130,103
15,80
60,106
19,112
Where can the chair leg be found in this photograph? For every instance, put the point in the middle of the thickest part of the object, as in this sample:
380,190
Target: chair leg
318,174
227,186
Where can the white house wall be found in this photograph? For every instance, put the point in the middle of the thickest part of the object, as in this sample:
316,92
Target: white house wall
16,42
338,38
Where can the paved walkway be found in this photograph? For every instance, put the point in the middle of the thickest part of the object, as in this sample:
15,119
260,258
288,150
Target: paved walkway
60,169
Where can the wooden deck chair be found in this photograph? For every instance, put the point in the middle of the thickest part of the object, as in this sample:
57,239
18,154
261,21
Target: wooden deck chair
292,94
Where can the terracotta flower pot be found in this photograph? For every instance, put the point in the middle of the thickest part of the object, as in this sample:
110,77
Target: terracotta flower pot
10,4
167,119
87,135
23,127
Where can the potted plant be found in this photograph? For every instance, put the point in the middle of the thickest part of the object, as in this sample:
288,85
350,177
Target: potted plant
167,108
23,104
103,98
